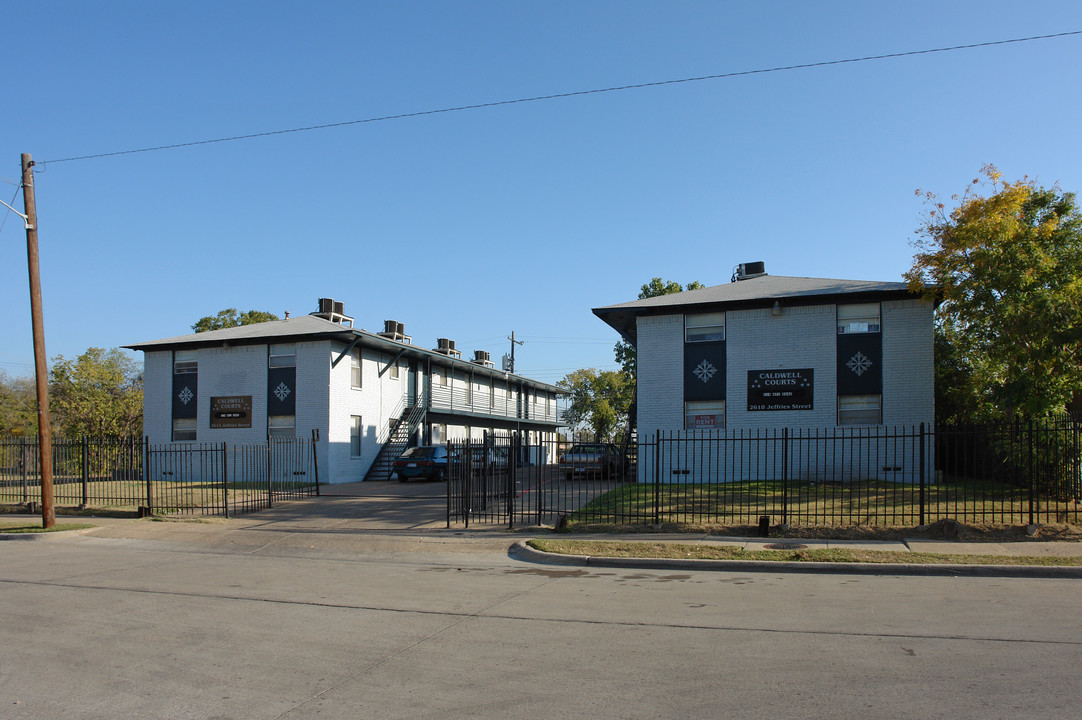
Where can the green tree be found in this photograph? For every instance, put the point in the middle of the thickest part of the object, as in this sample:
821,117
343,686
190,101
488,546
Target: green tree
231,318
18,406
1007,266
598,400
98,393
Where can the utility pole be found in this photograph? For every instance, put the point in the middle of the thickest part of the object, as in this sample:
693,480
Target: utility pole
45,440
514,342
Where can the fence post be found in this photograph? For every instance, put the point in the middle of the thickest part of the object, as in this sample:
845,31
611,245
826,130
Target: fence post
146,472
86,472
512,476
270,474
657,477
315,456
785,475
25,470
923,438
1032,480
225,480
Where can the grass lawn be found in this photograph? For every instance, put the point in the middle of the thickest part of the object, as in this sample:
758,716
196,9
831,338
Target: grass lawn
19,528
836,555
802,503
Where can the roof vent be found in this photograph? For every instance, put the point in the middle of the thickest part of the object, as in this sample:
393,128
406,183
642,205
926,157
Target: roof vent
333,311
480,357
747,271
447,347
394,330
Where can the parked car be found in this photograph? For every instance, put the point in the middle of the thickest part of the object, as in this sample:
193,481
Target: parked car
426,462
602,460
478,459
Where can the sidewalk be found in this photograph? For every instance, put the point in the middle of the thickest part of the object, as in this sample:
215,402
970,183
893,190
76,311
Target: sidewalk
379,518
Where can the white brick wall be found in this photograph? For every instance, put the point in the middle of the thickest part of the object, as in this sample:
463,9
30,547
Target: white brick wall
660,385
801,337
157,396
908,372
325,400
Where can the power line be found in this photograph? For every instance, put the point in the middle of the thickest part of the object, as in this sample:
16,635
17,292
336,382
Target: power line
556,96
9,211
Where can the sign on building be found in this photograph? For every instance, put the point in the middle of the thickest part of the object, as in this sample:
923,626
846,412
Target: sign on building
780,389
231,411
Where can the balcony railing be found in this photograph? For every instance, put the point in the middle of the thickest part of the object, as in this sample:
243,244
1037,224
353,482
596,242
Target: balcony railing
460,400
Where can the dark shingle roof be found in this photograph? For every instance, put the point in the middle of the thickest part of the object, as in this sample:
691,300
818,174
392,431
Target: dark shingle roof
310,327
755,292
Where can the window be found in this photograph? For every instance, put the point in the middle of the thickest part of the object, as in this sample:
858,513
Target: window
707,327
281,356
442,376
704,415
860,410
354,436
183,429
863,318
185,362
392,370
469,392
355,369
491,393
279,426
439,433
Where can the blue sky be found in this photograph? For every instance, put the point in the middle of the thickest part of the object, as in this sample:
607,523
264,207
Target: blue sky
472,224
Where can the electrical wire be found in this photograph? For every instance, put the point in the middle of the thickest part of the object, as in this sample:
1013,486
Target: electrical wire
556,96
9,213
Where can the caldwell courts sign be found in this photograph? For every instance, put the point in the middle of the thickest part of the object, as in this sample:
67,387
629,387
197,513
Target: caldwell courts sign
780,389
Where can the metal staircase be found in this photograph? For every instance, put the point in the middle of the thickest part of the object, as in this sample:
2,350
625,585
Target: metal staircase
398,440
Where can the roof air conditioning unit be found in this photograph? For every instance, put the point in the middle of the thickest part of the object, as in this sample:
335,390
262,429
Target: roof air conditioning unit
326,305
339,308
746,271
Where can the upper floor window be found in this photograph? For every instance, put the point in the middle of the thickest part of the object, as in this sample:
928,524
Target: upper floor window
861,318
392,369
282,356
186,361
355,368
705,327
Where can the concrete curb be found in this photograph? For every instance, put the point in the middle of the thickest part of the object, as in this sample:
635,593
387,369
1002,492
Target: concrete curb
522,551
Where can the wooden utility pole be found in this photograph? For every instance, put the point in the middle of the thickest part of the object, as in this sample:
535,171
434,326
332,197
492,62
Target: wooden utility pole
41,372
514,342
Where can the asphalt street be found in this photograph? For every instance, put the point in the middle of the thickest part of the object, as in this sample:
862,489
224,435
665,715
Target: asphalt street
312,612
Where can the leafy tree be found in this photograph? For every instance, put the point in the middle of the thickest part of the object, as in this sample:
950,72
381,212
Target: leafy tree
1008,268
231,318
598,400
18,406
98,393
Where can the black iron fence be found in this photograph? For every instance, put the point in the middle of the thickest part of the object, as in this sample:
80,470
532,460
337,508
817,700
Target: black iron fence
126,474
1016,473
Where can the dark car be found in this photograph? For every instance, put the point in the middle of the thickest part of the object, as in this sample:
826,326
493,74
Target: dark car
426,462
602,460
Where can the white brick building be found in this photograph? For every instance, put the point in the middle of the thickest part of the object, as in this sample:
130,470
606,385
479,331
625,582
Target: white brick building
767,352
368,395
